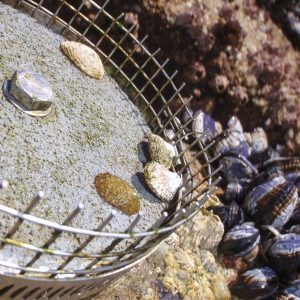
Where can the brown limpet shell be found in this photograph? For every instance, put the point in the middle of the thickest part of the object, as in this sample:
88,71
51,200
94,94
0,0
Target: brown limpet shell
84,57
118,193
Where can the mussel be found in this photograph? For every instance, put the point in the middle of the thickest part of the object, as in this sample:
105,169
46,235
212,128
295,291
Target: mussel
234,192
242,241
292,292
230,215
283,253
286,164
295,217
293,229
255,284
204,123
233,140
271,203
237,168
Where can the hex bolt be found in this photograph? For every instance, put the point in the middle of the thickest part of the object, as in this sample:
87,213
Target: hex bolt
30,92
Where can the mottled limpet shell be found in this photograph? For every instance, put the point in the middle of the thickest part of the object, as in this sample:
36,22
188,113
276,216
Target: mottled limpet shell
84,57
162,182
161,151
118,193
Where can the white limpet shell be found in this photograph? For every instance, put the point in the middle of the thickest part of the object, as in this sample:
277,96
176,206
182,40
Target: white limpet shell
161,151
162,182
84,57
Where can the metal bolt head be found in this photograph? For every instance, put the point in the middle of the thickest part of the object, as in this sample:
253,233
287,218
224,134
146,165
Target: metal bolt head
30,92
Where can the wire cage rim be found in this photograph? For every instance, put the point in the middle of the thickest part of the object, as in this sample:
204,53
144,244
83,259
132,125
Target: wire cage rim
179,217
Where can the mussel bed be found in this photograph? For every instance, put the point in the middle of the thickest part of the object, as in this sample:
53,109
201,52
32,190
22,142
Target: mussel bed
260,210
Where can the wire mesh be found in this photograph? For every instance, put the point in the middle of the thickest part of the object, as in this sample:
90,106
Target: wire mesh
152,90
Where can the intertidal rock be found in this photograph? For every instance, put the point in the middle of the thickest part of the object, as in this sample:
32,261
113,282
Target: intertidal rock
84,57
161,151
118,193
194,276
162,182
203,232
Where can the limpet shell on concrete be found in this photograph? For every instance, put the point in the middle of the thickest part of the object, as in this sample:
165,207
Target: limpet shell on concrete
162,182
84,57
118,193
161,151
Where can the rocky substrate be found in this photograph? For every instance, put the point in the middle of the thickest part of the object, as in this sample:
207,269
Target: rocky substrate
232,56
183,267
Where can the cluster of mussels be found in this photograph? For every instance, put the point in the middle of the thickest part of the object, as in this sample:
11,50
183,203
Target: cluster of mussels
260,210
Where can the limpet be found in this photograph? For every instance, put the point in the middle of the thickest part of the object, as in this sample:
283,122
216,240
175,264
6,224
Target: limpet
118,193
162,182
161,151
84,57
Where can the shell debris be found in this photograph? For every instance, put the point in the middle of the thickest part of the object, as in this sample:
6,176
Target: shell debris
162,182
118,193
161,151
84,57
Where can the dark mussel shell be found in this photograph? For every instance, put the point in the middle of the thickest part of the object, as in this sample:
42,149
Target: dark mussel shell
292,292
242,241
271,203
294,178
255,284
230,215
295,217
234,192
283,253
286,164
233,141
293,229
237,169
265,176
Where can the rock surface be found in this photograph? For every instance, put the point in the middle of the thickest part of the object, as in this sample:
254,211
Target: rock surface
180,268
232,56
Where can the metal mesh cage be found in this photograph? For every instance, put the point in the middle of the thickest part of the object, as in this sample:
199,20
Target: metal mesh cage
153,91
